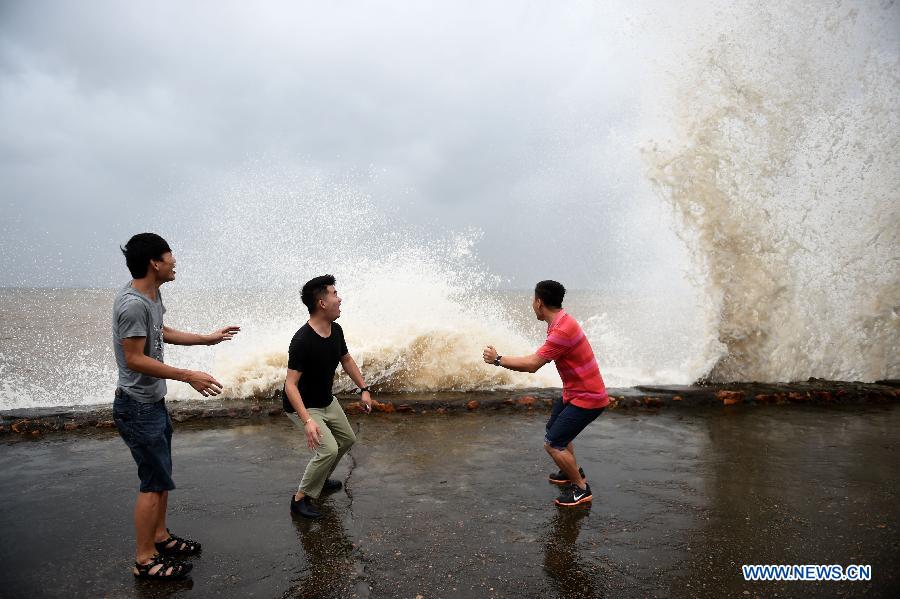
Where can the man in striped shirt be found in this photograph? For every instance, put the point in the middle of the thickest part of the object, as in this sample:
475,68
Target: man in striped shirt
584,393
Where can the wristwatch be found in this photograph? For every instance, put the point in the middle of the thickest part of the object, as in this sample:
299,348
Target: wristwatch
363,390
497,360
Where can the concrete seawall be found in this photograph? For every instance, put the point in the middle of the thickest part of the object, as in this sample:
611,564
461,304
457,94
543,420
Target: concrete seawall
35,421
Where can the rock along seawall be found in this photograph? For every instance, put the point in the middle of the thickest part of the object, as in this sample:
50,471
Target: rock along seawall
37,421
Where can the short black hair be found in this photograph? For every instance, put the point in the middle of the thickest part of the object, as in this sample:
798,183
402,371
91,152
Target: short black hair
315,289
551,293
140,250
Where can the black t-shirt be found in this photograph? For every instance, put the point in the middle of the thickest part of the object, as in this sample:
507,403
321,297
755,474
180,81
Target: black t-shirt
316,358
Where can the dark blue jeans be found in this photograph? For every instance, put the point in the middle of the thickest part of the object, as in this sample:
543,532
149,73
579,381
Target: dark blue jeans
566,422
147,431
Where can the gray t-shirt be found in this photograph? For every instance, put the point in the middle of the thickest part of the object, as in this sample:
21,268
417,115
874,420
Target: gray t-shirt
136,315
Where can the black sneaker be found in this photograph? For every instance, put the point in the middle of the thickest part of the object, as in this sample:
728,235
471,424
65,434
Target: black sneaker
572,496
561,479
332,485
304,507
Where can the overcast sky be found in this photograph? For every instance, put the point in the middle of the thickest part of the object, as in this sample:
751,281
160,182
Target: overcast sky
520,121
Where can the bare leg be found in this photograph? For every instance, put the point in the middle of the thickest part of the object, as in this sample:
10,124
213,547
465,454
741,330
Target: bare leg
161,532
566,462
146,516
571,449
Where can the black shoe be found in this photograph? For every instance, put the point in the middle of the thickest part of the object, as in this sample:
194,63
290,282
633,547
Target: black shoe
176,545
304,507
332,485
561,479
169,568
572,495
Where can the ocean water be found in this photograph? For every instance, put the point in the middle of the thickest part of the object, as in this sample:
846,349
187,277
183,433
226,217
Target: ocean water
56,343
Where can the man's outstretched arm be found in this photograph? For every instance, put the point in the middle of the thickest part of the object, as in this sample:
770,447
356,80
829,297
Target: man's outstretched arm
531,363
136,360
176,337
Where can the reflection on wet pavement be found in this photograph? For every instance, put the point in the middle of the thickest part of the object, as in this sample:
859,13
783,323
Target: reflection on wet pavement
460,506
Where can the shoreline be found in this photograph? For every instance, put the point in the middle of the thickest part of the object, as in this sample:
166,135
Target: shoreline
37,421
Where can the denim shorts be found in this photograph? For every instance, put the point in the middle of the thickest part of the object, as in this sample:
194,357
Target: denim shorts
566,421
147,431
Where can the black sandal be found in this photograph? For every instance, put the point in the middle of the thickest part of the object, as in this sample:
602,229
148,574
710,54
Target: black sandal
180,546
169,569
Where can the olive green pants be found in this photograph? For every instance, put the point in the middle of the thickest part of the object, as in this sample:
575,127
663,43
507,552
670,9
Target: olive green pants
337,437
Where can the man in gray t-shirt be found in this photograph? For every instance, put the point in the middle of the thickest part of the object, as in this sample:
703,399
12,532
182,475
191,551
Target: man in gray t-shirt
139,409
136,315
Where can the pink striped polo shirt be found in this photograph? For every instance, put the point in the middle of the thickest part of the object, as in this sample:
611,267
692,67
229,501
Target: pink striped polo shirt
568,346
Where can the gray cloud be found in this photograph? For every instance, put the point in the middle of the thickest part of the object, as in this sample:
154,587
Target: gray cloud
520,120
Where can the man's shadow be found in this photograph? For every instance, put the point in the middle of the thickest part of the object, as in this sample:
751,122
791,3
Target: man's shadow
333,569
561,557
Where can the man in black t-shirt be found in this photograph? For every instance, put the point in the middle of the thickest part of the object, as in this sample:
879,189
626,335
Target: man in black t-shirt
315,351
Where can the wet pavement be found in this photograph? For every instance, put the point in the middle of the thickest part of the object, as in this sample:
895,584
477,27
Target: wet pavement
458,505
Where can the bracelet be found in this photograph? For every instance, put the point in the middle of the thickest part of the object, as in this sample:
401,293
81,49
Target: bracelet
363,389
305,422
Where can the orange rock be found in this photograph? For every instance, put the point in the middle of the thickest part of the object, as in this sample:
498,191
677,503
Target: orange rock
472,405
677,398
387,408
653,402
797,396
441,410
404,408
729,398
527,401
70,426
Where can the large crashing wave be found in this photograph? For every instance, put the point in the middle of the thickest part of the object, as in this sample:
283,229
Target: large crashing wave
784,177
417,310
